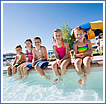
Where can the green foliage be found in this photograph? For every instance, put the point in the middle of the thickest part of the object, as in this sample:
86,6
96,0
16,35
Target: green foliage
66,30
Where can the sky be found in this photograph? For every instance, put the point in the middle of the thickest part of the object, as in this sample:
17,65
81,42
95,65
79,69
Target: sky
22,21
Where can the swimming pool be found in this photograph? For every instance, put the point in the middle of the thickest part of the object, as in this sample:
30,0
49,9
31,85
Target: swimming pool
36,88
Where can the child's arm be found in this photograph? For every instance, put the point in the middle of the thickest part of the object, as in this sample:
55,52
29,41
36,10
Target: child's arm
22,59
57,56
67,51
15,60
77,55
34,57
89,51
44,51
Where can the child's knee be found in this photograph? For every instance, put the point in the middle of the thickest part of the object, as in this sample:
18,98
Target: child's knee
63,66
87,60
18,68
54,65
36,67
78,62
25,68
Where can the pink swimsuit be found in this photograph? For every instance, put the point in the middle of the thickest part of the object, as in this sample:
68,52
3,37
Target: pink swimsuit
30,56
61,51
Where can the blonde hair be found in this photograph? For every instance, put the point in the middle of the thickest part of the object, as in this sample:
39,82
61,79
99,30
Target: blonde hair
79,28
56,30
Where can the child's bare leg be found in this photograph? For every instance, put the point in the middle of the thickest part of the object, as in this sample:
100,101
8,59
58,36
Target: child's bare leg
56,72
87,68
64,64
21,69
86,62
9,69
25,70
14,69
19,72
40,71
55,69
22,66
78,63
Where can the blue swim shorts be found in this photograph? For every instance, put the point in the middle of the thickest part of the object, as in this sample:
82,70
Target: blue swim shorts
41,64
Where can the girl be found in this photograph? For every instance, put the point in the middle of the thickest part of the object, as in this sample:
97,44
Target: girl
23,69
63,58
82,51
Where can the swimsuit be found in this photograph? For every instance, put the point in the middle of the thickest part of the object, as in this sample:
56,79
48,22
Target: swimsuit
41,64
30,56
61,51
83,48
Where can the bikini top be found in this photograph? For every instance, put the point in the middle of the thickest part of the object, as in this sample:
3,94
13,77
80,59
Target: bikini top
83,48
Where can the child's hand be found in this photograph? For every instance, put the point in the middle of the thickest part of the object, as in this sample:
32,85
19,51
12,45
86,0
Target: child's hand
58,62
81,56
33,63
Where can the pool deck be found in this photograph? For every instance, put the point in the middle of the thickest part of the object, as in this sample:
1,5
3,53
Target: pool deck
97,61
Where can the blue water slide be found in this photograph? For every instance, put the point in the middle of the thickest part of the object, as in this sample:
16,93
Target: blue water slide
86,26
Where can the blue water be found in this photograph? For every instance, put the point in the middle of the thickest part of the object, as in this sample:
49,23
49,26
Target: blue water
36,88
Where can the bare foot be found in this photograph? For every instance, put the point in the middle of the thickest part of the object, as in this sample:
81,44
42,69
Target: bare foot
18,78
25,77
57,80
83,86
47,77
80,81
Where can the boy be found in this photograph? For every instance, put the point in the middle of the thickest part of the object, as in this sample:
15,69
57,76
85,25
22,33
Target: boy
39,57
19,59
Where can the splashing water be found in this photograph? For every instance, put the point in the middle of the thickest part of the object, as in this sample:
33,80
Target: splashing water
36,88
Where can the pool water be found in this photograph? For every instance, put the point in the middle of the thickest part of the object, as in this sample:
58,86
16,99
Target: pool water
36,88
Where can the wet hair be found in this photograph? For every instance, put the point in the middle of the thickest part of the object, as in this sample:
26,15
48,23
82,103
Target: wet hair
79,28
29,41
56,30
37,38
18,46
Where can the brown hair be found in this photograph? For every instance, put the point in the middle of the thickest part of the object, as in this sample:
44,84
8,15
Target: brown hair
56,30
28,40
37,38
18,46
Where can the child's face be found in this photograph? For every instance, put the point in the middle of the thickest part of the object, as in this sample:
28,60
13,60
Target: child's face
58,36
37,42
28,44
79,35
18,50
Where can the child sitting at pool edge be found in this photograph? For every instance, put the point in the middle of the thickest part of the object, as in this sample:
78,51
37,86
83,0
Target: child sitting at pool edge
19,59
82,51
22,70
63,58
39,57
